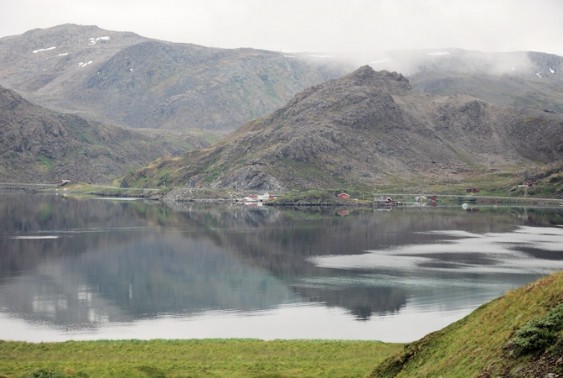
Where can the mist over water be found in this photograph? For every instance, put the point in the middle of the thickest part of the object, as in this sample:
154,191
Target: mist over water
99,269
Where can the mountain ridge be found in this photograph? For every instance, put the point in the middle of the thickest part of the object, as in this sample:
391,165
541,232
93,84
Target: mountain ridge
366,128
126,79
123,78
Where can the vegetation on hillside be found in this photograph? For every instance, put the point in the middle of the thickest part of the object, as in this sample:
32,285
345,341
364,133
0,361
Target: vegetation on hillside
517,335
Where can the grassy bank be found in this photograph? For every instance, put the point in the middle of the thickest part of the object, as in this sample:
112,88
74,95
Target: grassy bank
193,358
517,335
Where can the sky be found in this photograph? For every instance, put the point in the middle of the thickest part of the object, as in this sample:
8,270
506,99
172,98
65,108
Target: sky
324,26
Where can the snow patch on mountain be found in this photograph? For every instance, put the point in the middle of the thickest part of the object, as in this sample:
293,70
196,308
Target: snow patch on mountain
551,70
84,64
46,49
92,41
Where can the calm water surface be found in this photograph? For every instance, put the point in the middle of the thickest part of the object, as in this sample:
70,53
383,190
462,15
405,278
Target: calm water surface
108,269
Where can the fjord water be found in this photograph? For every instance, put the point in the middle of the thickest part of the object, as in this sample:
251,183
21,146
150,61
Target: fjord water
106,269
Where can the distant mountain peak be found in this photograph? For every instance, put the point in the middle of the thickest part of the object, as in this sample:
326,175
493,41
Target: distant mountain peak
63,32
391,82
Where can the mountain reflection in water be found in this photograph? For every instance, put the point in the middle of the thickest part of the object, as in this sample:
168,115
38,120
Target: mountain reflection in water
77,268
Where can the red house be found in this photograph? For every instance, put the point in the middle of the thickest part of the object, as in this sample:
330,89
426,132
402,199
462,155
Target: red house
344,196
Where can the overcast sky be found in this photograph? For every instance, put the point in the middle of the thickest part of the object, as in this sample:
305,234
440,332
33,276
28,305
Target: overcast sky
330,26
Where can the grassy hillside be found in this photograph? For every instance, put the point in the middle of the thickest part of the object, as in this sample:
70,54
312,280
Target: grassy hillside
496,340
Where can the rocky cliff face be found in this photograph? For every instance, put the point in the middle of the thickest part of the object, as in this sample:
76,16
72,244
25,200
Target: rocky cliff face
126,79
369,128
39,145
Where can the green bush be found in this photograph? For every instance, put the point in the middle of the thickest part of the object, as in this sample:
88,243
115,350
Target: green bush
42,373
539,334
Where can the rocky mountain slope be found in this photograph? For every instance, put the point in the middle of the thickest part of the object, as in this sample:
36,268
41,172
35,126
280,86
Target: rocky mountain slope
367,128
123,78
39,145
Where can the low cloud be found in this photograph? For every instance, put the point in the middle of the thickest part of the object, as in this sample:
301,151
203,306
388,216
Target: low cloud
410,62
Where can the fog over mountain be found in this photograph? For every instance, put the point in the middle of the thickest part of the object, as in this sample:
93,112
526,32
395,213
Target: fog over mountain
519,79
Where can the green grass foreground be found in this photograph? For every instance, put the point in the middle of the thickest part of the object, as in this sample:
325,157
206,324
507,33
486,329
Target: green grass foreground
193,358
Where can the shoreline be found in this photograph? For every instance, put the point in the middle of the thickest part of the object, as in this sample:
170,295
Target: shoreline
209,195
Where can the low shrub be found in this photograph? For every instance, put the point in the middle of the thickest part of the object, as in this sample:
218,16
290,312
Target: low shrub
538,334
42,373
